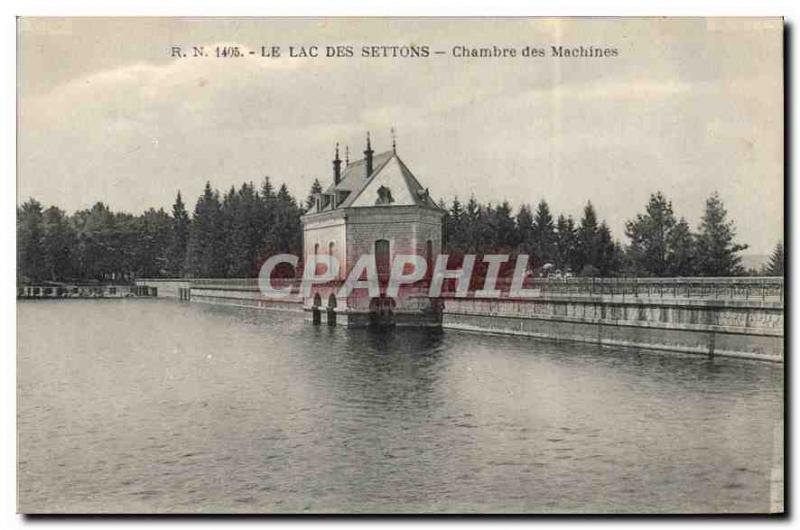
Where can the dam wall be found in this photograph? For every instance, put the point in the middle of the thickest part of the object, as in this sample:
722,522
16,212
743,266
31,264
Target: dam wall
242,292
750,329
737,317
166,288
242,297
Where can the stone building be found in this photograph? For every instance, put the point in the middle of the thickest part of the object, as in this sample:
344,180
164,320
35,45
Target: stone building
375,206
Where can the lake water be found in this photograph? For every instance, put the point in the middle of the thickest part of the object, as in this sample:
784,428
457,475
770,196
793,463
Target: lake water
152,405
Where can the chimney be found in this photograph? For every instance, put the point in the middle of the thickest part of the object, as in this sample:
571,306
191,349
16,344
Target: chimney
368,157
337,167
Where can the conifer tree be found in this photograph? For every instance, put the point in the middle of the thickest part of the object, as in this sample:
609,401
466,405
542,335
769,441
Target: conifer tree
284,233
58,244
267,192
775,267
316,188
179,239
525,229
251,229
681,250
472,231
205,250
454,227
504,228
98,236
609,253
147,254
566,244
233,234
717,252
30,252
587,252
649,233
544,234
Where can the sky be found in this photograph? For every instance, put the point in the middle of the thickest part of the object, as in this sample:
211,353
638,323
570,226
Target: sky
686,107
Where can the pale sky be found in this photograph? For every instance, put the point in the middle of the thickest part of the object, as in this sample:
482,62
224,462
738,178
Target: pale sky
688,106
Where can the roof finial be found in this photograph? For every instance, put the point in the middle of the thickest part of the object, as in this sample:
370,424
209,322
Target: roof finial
337,167
347,155
368,157
394,140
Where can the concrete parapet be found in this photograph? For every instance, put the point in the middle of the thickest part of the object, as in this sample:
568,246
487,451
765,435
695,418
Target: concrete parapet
709,327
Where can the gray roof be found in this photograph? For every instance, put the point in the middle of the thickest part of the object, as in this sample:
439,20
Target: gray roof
354,175
354,181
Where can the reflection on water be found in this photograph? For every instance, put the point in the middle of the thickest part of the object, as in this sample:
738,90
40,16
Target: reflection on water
140,405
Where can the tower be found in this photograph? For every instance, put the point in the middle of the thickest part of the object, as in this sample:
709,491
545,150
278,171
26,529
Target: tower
374,207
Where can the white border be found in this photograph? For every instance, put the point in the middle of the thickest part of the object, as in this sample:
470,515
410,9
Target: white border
9,10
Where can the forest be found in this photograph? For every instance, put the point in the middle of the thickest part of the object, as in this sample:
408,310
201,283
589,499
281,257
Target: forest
229,235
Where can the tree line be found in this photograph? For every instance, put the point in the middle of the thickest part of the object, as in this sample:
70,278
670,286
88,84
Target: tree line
587,246
229,235
660,244
226,236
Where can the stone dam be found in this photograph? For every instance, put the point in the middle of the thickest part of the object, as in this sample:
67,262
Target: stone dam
736,317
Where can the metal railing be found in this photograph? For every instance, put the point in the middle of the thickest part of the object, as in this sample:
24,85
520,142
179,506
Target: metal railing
724,288
228,282
732,288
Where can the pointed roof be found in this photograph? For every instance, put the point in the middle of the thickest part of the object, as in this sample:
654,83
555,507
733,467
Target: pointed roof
356,190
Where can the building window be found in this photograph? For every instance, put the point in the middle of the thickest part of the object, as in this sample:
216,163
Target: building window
429,258
331,249
382,259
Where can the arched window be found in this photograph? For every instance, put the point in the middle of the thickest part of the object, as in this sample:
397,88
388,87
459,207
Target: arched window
316,313
429,258
331,249
382,259
331,311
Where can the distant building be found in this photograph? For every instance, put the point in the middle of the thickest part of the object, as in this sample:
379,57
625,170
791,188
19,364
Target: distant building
377,206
